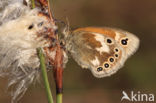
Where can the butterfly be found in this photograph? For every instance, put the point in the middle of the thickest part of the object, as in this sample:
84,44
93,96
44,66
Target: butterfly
102,50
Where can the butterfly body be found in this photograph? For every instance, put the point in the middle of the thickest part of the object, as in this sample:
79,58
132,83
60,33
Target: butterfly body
102,50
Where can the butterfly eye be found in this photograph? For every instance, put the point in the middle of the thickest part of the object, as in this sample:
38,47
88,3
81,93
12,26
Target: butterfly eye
124,41
99,69
31,26
106,65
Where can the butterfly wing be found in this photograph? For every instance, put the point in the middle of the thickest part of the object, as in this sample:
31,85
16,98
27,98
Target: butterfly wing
128,41
98,52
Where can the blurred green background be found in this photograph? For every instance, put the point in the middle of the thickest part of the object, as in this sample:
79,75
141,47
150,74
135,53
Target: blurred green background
139,72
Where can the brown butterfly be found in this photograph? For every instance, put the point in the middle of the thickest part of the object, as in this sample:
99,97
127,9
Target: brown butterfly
102,50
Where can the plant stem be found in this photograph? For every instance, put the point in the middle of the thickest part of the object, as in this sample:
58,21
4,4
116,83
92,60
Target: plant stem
33,4
58,62
58,74
44,74
59,98
50,13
